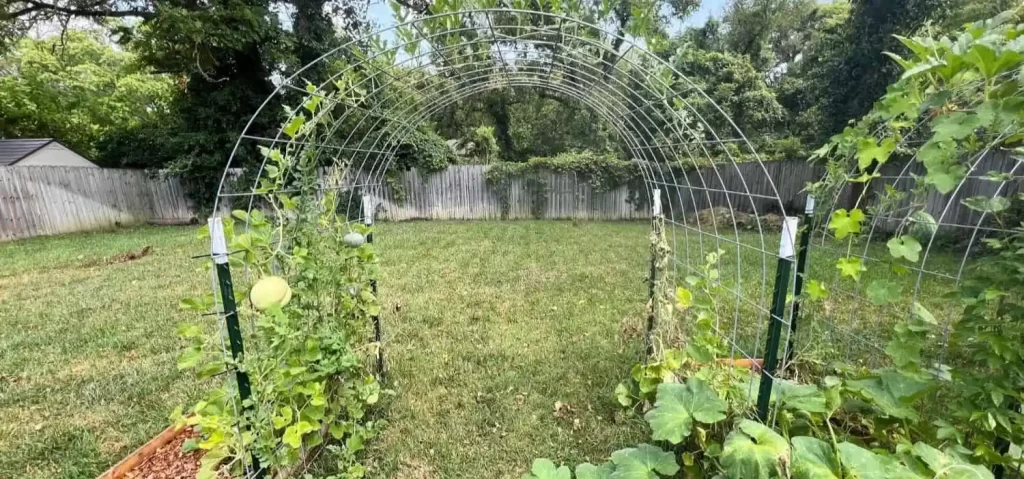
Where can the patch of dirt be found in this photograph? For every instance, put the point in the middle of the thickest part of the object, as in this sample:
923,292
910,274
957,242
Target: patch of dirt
721,217
130,255
170,462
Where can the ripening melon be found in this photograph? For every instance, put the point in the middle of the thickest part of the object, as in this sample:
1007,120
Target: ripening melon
354,240
270,291
922,226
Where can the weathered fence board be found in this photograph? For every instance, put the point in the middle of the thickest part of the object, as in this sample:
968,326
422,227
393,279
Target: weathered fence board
49,200
45,200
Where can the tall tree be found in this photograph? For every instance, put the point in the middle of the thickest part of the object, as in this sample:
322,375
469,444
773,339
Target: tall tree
855,71
79,89
769,32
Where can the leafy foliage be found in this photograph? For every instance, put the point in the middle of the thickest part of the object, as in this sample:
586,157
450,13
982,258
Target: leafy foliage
79,90
306,356
679,406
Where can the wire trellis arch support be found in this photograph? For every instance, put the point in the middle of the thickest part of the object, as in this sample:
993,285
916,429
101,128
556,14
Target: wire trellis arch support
683,143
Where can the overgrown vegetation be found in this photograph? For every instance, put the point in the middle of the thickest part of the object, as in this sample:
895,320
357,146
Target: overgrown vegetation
963,97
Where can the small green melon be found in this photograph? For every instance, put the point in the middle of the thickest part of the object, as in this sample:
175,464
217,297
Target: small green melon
354,240
923,226
270,291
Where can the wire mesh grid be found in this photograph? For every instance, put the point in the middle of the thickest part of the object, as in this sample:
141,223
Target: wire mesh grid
717,195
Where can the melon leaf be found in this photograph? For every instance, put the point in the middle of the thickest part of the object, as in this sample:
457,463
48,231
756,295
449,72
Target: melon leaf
754,451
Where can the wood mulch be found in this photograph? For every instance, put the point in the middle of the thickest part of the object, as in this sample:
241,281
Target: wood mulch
169,461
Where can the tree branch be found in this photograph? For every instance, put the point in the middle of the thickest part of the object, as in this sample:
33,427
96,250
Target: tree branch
35,6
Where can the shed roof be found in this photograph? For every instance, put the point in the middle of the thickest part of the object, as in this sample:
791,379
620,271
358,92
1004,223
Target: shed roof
13,151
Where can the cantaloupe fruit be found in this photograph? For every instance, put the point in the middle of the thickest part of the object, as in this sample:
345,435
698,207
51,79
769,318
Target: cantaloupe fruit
270,291
354,240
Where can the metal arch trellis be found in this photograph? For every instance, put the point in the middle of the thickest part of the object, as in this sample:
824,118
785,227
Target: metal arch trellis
672,134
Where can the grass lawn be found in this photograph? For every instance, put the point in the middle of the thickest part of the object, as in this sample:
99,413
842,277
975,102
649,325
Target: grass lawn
490,325
88,371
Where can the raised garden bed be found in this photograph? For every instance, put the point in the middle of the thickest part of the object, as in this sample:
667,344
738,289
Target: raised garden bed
160,458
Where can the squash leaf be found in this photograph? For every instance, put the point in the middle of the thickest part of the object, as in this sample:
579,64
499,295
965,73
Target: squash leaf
643,462
545,469
590,471
882,291
814,459
679,405
754,451
869,151
816,291
949,465
863,464
892,392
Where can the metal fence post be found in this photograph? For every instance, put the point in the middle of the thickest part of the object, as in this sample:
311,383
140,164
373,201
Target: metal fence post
801,271
778,310
378,334
219,252
652,275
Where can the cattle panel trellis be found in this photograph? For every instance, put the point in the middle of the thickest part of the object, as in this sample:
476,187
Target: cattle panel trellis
46,200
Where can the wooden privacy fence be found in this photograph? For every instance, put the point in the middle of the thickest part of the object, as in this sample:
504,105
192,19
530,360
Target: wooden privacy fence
462,192
49,200
45,200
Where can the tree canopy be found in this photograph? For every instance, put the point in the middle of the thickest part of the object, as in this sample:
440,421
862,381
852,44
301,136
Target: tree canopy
170,83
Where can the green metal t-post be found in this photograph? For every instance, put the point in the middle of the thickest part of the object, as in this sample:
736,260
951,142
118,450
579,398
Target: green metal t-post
378,334
801,271
778,311
219,252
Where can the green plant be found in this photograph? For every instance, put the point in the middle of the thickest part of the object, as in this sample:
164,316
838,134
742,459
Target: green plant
310,312
602,172
963,97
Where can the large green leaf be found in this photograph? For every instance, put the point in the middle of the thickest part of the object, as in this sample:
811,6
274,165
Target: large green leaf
860,463
679,405
794,396
545,469
955,126
590,471
892,392
947,465
643,462
754,451
814,459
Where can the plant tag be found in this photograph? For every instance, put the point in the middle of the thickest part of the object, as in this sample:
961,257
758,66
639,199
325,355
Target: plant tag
218,245
656,206
809,207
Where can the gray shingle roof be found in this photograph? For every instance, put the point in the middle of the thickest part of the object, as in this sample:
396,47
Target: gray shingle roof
12,151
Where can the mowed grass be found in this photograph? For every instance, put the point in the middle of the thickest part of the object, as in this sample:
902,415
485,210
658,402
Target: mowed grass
87,369
489,326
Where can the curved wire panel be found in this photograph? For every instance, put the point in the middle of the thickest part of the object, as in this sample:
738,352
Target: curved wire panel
351,111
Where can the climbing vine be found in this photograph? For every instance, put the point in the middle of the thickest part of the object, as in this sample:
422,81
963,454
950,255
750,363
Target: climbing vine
602,172
959,99
309,308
